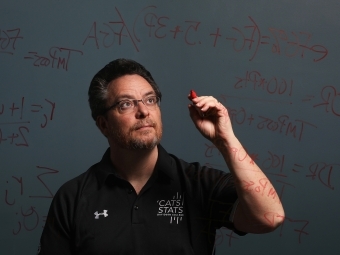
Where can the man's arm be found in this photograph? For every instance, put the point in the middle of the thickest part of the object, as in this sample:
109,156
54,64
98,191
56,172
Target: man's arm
258,210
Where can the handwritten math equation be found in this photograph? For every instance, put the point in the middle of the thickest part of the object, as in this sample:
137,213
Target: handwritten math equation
15,119
328,101
328,98
274,164
282,124
55,58
250,37
150,24
8,40
28,217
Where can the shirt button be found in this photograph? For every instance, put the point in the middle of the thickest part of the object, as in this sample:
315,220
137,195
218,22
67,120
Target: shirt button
130,191
136,207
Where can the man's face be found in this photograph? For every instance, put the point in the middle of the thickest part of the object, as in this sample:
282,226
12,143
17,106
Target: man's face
139,129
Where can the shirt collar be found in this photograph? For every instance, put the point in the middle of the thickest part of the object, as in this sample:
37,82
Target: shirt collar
165,164
104,168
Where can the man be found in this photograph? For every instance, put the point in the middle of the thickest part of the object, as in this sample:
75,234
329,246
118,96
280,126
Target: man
141,200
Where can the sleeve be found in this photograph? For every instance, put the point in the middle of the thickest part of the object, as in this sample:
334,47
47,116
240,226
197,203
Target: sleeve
57,235
223,203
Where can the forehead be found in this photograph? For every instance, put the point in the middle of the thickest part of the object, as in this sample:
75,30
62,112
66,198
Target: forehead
129,85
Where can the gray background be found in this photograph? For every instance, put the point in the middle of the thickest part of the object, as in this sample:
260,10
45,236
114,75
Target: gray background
274,65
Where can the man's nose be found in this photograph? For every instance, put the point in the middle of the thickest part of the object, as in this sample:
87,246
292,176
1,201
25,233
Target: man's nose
142,110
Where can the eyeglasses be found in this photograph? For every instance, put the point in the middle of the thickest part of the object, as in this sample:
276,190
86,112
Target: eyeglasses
128,105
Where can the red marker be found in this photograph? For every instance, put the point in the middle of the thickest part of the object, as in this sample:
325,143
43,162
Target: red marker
193,94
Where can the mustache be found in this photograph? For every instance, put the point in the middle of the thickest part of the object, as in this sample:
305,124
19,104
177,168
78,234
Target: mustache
143,123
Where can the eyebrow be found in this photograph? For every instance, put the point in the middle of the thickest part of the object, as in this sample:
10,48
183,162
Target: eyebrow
123,96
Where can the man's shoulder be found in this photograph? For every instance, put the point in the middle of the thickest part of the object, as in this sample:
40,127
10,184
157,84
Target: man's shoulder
91,178
78,184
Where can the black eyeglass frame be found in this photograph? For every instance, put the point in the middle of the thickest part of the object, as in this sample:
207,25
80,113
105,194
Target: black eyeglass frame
135,103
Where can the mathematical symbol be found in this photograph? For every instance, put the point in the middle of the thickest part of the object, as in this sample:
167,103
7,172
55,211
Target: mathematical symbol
297,166
177,30
37,106
217,34
265,37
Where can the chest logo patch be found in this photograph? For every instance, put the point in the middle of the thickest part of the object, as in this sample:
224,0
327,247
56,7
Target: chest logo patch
172,208
104,213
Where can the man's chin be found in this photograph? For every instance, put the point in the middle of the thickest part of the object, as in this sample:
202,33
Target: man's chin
139,139
138,144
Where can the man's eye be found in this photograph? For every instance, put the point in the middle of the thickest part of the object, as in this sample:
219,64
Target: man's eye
151,100
125,104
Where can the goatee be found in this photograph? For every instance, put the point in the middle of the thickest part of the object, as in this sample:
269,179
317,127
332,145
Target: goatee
143,141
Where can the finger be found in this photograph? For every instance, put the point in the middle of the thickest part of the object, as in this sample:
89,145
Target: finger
205,99
194,114
207,104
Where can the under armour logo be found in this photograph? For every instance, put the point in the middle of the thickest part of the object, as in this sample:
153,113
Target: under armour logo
104,213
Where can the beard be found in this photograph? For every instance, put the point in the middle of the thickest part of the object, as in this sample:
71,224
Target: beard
135,139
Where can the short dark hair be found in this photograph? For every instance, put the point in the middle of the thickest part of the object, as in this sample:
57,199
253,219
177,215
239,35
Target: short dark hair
98,88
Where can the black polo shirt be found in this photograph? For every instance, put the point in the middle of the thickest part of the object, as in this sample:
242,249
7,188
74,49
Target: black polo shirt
176,212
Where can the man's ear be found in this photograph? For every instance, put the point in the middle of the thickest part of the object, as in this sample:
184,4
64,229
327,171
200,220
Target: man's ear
101,123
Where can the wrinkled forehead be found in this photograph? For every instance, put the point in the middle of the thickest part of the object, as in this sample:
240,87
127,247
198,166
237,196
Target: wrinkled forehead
129,86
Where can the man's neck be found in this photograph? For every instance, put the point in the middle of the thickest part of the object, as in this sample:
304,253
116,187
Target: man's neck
135,166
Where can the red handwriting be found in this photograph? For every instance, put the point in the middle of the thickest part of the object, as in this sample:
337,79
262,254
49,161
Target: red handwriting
113,32
323,172
284,125
260,187
223,232
58,58
288,44
15,115
12,201
8,40
18,139
110,32
29,220
289,225
281,124
256,81
274,161
28,217
301,229
149,21
320,171
210,150
317,171
160,26
275,165
330,100
19,184
48,171
298,226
